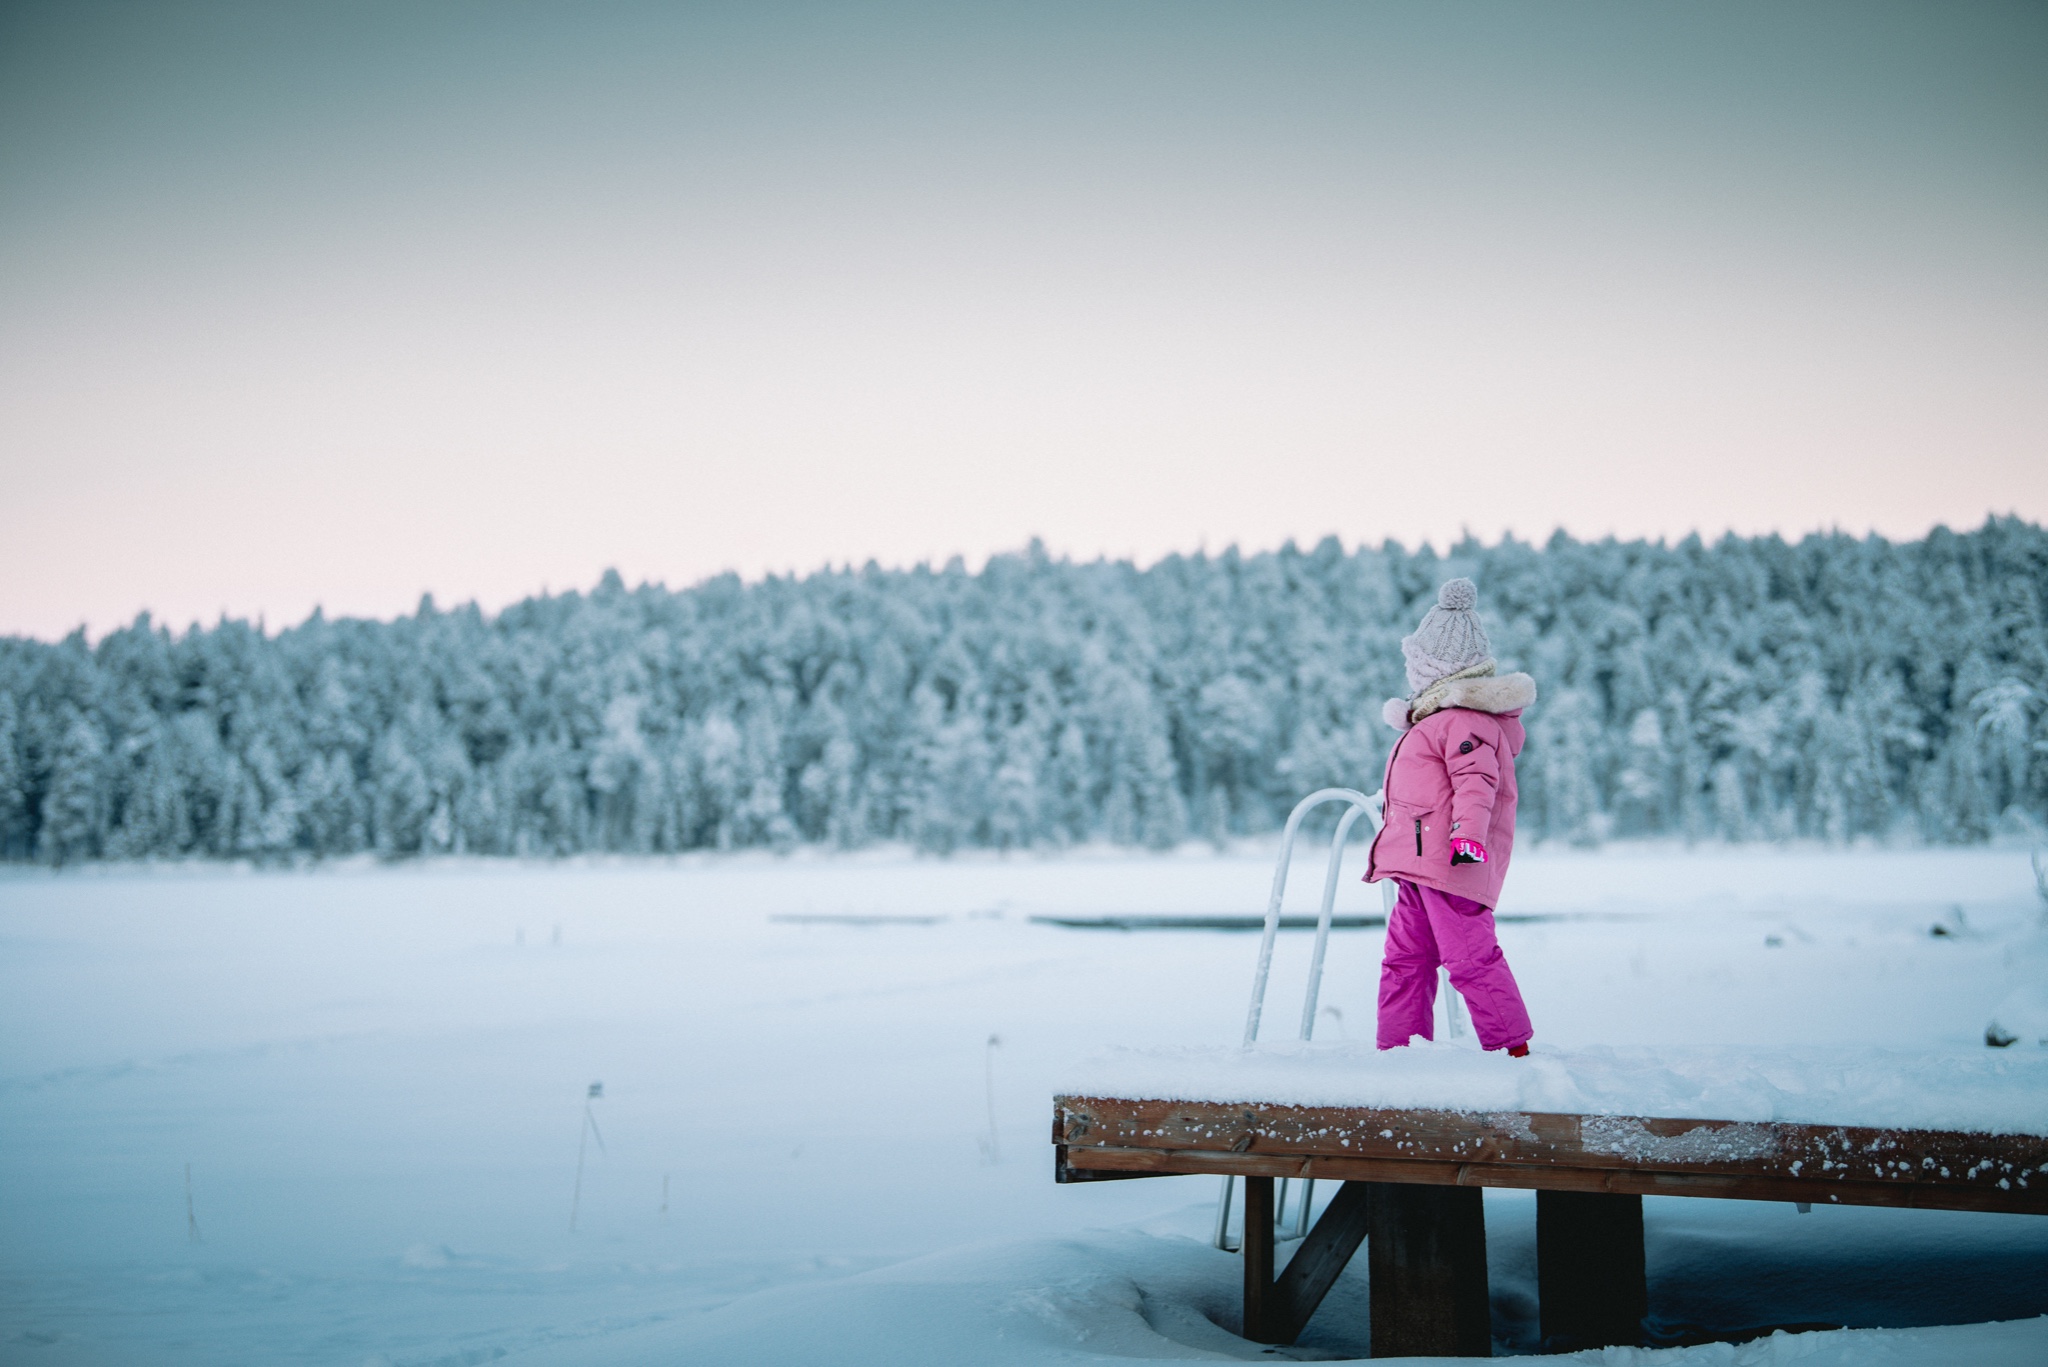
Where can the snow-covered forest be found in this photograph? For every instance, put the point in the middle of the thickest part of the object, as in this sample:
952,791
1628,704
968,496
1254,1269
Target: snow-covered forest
1745,689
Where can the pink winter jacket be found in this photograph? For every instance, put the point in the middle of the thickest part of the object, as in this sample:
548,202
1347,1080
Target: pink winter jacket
1452,774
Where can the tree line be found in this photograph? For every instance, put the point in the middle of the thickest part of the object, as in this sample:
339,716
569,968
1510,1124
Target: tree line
1749,688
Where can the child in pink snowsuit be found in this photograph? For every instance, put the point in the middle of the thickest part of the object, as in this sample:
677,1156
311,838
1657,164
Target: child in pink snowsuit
1450,828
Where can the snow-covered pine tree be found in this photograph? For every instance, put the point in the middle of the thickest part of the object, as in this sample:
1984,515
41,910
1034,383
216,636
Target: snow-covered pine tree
1834,687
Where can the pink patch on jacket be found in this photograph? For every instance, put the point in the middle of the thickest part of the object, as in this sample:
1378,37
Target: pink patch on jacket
1451,775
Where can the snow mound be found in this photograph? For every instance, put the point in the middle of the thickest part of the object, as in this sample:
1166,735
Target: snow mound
1126,1296
1104,1297
2022,1017
1987,1091
2020,1343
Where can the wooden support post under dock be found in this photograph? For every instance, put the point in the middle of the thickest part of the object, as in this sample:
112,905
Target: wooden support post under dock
1426,1248
1319,1260
1591,1280
1276,1310
1257,1248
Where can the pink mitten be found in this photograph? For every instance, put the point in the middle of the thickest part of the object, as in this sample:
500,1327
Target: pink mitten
1465,851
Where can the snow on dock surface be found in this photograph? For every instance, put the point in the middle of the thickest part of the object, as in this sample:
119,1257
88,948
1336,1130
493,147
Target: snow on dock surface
1985,1090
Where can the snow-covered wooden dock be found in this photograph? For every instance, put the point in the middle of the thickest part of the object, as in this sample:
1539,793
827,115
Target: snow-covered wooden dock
1412,1175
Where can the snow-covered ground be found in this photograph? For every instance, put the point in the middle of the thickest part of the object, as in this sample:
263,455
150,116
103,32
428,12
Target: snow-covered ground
378,1079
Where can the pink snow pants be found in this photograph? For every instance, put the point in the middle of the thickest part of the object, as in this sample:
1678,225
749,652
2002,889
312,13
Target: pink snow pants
1429,927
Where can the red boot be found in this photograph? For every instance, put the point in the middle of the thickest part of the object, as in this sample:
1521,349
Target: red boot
1519,1050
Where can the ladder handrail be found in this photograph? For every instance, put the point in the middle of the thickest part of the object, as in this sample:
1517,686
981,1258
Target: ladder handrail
1355,803
1315,963
1358,802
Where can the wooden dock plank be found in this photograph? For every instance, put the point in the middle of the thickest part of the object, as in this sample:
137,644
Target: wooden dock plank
1625,1155
1086,1164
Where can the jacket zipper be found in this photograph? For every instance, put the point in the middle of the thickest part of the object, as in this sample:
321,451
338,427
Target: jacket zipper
1387,787
1418,835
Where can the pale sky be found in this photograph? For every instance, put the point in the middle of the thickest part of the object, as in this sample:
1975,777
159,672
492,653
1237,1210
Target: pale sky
338,304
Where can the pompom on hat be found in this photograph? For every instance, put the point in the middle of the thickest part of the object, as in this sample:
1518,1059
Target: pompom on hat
1449,640
1458,595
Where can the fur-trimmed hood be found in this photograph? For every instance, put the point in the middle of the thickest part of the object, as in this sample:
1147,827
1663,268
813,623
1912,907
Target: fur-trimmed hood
1495,693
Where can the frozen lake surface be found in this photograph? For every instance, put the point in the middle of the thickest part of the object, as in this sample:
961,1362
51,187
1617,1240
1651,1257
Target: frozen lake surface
378,1079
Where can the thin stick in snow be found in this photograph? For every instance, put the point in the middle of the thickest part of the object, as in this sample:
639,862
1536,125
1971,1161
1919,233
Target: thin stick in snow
583,1136
191,1217
991,1144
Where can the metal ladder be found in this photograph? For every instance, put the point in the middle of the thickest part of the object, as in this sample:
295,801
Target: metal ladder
1356,803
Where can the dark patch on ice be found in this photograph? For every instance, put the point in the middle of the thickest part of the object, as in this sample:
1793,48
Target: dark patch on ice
835,919
1226,921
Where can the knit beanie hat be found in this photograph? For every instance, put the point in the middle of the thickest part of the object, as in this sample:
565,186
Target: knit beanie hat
1450,638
